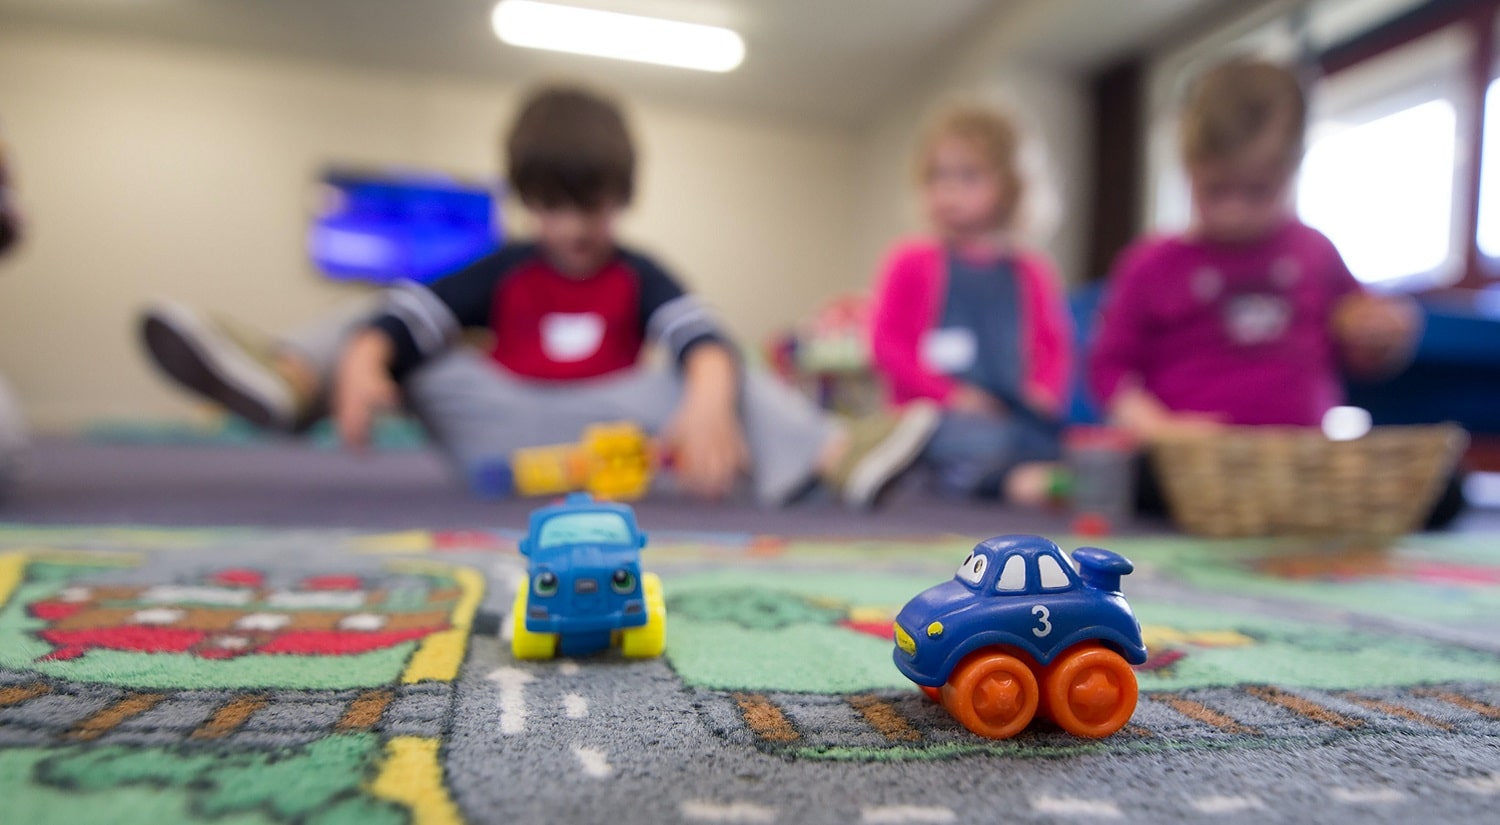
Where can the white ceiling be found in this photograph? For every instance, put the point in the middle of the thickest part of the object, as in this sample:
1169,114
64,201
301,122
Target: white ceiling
835,61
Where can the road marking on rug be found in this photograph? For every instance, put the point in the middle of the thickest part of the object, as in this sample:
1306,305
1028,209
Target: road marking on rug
105,720
765,719
575,706
1398,711
1199,712
230,717
727,812
902,814
1366,796
594,762
1487,785
1302,707
512,684
438,655
1462,701
411,775
364,711
16,694
1226,804
568,667
884,718
1069,806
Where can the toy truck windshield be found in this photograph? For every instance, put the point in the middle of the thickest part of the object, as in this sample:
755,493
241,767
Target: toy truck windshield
585,528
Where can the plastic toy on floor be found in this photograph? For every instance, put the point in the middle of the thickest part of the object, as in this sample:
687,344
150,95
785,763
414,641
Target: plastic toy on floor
1019,631
584,589
610,461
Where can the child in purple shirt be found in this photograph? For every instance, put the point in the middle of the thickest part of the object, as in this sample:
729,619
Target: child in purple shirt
1250,316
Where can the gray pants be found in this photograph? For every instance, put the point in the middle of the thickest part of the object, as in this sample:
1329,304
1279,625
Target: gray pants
970,455
479,414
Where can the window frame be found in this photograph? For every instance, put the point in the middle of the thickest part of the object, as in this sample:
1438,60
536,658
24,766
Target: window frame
1482,19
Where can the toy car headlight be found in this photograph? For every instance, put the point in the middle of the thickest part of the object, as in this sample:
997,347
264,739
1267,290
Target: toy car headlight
904,640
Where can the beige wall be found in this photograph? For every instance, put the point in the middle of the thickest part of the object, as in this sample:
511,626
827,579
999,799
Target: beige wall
1052,107
149,169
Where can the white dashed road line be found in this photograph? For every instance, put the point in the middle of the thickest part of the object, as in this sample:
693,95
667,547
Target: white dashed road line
567,667
1366,796
575,706
903,814
594,762
512,684
1225,804
1487,785
1067,806
727,812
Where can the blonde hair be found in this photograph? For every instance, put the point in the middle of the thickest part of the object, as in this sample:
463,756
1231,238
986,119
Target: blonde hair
993,133
1234,104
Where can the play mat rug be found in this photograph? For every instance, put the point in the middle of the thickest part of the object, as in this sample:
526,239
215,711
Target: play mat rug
238,676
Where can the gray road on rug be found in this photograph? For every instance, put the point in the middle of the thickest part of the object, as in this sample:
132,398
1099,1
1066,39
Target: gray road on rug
610,741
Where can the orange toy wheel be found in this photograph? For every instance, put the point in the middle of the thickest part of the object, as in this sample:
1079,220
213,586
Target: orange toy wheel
992,693
1090,691
935,694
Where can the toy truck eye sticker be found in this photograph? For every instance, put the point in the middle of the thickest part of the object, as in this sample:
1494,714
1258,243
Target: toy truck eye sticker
1044,621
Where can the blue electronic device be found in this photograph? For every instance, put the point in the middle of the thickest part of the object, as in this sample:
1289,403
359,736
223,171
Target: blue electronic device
383,228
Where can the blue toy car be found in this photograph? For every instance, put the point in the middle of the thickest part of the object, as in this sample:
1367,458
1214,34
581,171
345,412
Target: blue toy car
585,591
1018,630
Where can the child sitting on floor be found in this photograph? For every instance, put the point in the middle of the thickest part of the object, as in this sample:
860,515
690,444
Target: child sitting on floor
1248,317
970,319
570,313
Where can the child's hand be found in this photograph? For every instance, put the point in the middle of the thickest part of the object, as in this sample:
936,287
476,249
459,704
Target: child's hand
705,433
708,447
1142,413
1377,334
362,387
971,400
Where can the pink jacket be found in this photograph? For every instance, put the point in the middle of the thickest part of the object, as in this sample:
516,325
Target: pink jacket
908,303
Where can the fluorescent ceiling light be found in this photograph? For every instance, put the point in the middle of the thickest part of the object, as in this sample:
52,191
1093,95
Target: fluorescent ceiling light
622,36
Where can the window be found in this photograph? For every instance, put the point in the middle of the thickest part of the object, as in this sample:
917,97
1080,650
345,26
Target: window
1012,576
1489,180
1382,165
584,528
1382,191
1053,577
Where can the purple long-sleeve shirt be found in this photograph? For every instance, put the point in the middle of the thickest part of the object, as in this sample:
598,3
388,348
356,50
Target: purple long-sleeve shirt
1243,331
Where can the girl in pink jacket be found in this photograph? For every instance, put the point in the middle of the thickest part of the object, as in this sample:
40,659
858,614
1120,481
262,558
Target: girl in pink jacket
970,320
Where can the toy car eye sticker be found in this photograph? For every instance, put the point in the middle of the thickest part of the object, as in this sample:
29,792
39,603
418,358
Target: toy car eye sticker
1043,621
545,583
972,570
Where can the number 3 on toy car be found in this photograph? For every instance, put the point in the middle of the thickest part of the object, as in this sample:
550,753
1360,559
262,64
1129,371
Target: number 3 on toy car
1043,616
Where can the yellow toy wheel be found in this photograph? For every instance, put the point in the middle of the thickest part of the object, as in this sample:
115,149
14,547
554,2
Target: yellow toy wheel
650,639
525,644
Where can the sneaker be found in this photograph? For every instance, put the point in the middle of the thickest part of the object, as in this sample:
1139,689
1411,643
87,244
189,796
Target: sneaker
881,448
221,365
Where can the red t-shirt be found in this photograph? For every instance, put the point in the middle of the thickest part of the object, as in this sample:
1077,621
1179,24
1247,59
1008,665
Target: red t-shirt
548,325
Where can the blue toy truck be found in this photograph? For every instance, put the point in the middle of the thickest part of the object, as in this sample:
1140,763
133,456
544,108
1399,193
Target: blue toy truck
1019,631
584,589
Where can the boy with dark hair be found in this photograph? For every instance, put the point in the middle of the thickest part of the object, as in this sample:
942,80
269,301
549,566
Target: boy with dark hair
570,312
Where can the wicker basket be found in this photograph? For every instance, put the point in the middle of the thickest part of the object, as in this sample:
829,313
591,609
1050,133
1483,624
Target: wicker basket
1255,481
